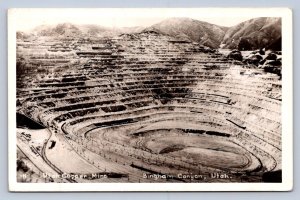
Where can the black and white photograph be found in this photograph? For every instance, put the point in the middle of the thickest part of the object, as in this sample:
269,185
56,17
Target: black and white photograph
157,99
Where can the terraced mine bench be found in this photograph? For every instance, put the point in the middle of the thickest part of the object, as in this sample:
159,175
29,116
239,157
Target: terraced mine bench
146,103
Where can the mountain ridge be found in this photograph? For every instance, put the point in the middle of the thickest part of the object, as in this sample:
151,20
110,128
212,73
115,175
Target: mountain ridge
198,31
252,34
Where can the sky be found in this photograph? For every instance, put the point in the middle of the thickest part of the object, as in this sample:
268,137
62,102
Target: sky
27,19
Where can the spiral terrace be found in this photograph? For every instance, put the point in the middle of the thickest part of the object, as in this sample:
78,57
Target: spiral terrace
146,103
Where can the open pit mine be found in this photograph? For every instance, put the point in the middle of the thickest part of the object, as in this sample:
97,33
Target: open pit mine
143,107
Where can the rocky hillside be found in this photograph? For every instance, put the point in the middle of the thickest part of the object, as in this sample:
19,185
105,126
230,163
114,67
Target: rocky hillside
253,34
185,28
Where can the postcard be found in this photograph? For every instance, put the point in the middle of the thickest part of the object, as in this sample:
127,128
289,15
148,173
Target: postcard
150,99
